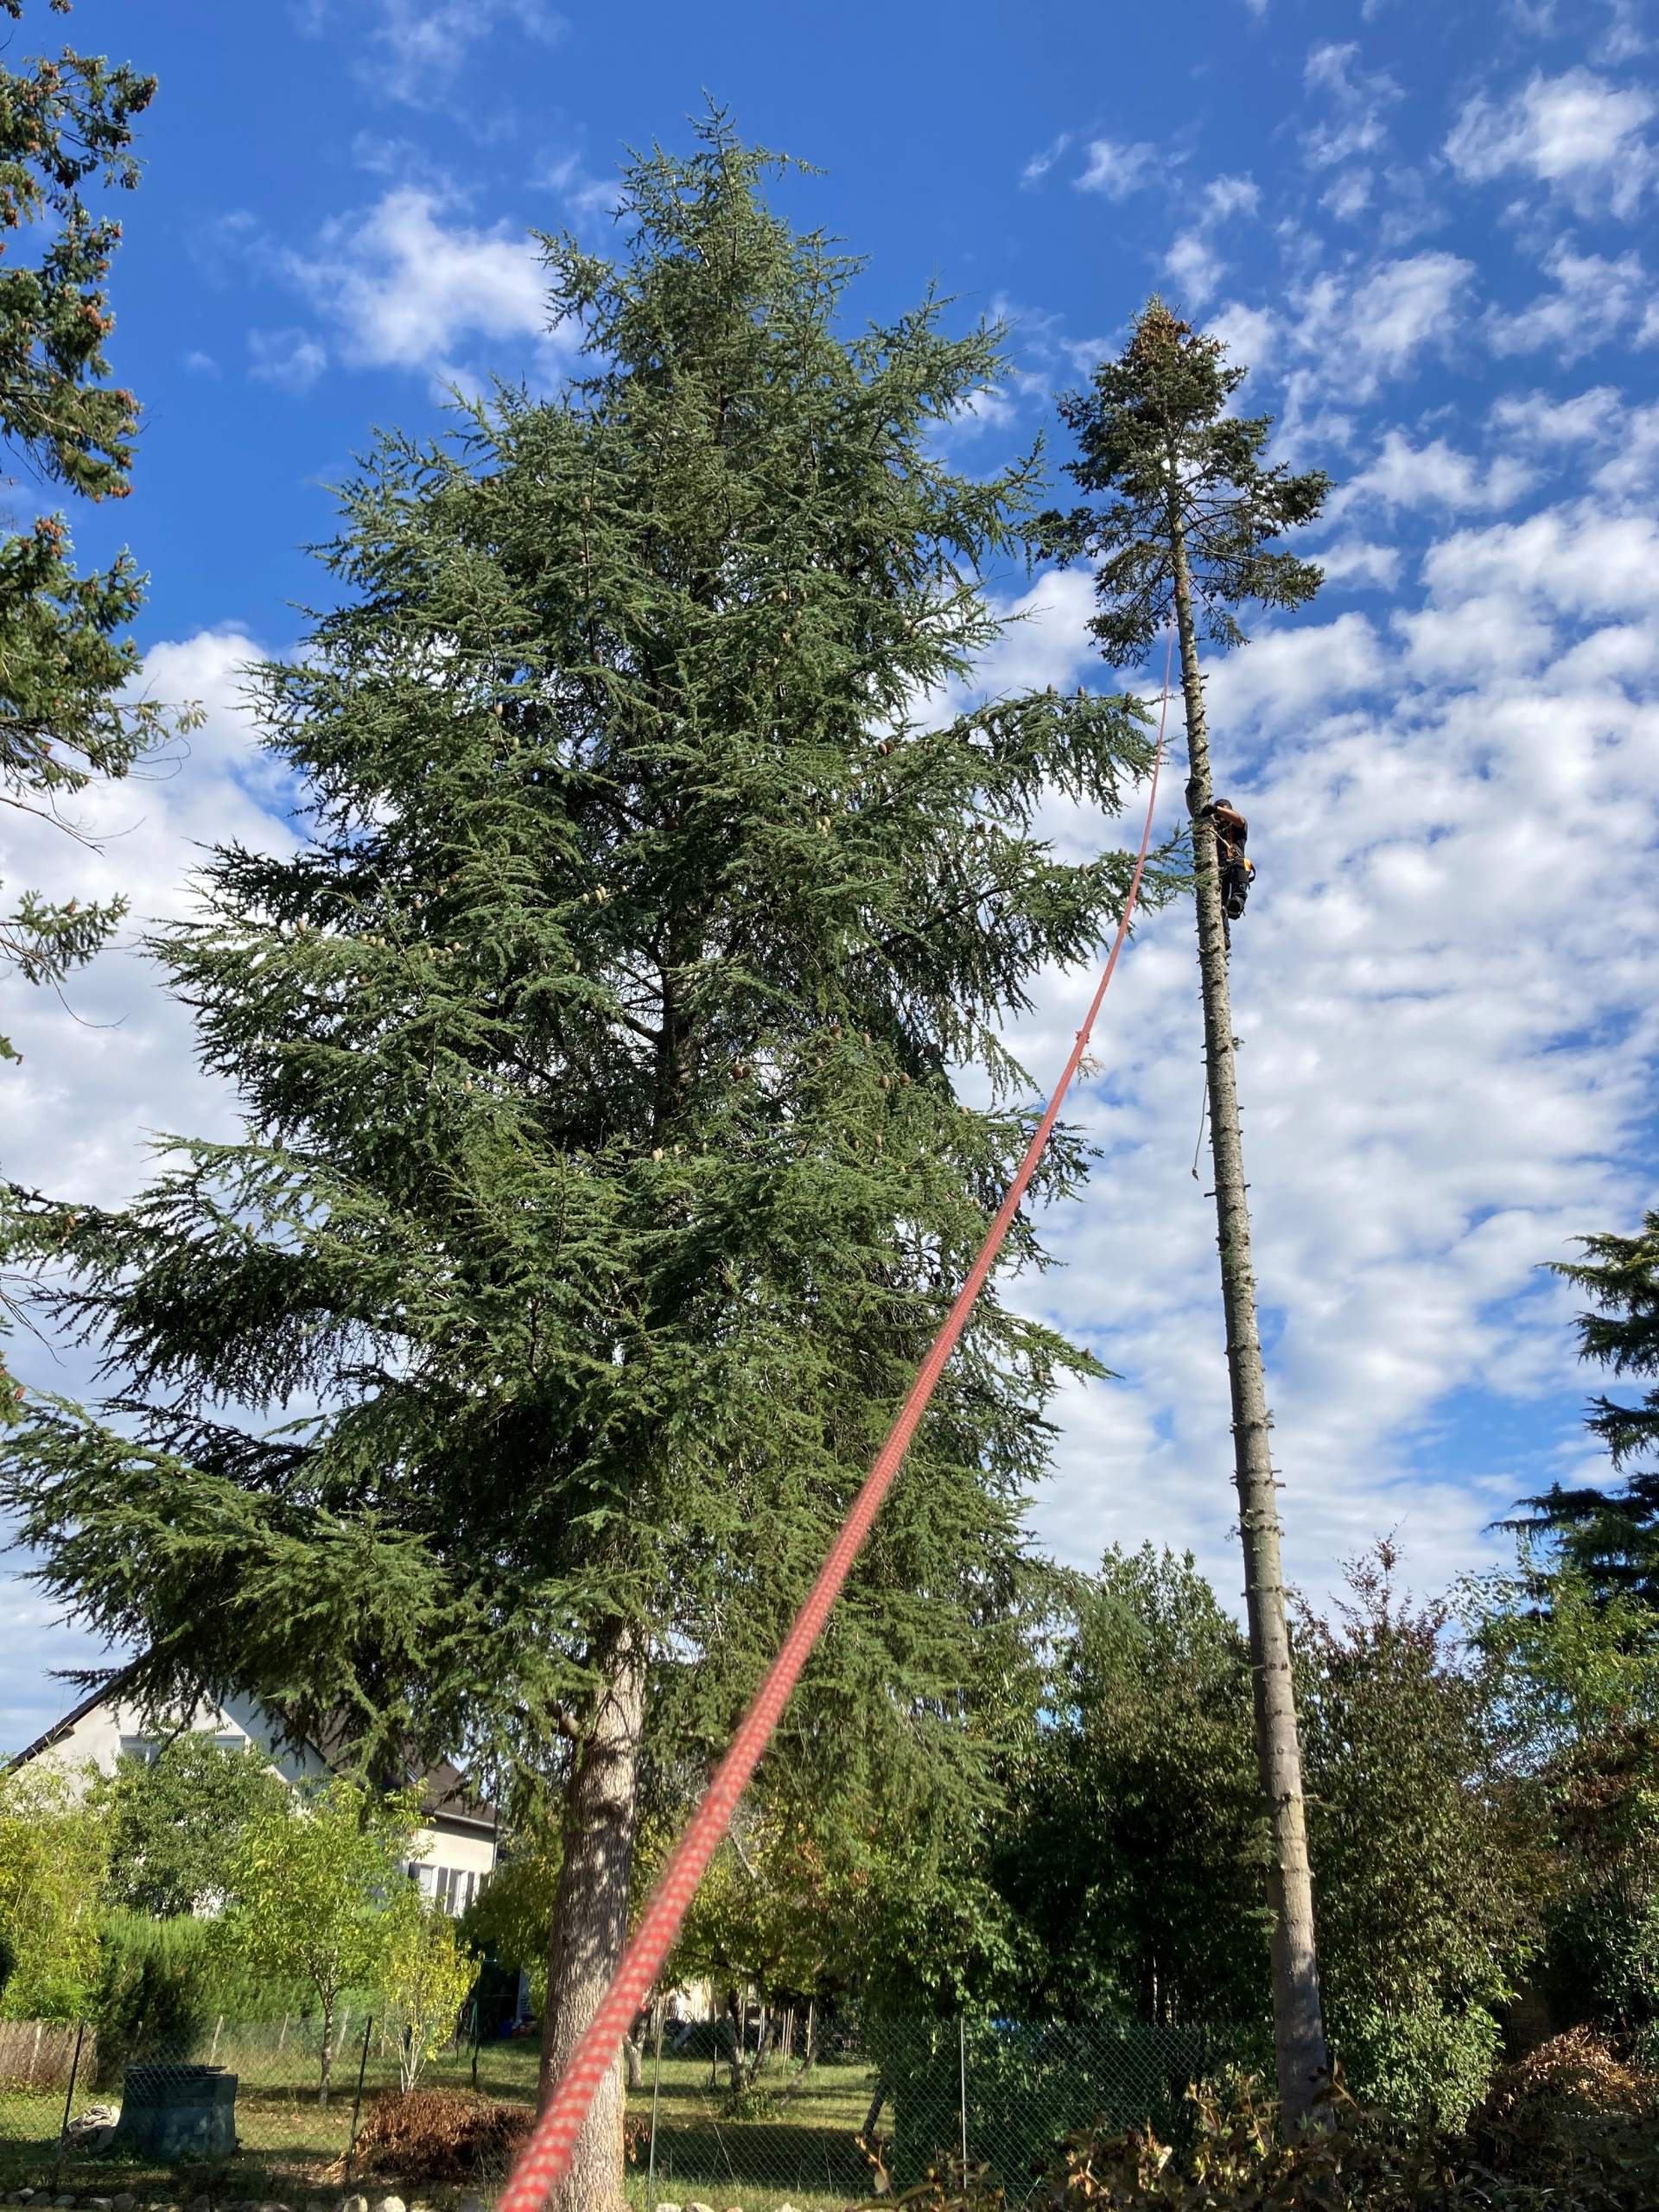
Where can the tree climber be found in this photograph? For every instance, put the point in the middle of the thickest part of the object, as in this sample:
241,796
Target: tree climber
1232,834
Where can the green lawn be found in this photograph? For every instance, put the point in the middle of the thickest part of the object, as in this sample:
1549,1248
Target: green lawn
803,2152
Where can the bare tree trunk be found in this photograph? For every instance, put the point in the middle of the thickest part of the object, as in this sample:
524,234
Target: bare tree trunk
328,2047
1299,2028
590,1918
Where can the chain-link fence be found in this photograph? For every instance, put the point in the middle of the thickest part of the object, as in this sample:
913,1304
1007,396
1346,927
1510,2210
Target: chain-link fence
818,2120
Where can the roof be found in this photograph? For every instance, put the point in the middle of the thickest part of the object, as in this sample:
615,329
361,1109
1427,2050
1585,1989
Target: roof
443,1787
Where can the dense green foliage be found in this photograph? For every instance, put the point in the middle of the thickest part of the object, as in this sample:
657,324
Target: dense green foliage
1581,1671
1426,1862
1568,2130
598,1050
160,1983
54,1855
1139,1858
1612,1536
310,1896
509,1919
175,1822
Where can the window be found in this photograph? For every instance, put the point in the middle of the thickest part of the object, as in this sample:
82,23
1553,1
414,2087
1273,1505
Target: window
455,1889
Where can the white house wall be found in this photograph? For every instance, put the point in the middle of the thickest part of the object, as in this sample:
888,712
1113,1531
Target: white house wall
451,1860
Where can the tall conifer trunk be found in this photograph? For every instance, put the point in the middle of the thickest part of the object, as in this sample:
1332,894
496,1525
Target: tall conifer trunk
590,1916
1299,2029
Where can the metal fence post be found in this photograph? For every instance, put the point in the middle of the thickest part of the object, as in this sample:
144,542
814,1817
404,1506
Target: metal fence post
357,2101
962,2081
68,2100
656,2098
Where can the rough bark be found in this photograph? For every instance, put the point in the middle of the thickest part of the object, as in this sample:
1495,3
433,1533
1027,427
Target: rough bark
1303,2064
590,1917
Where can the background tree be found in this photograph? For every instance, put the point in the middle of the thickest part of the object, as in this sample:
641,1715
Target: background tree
510,1920
606,1174
1580,1670
309,1894
54,1851
1428,1867
1186,513
425,1973
65,123
1138,1854
1613,1538
65,665
175,1822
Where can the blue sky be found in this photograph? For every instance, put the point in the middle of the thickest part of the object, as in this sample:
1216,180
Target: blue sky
1427,229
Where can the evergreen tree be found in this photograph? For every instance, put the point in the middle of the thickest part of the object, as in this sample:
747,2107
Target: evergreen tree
1613,1538
605,1175
1184,519
65,123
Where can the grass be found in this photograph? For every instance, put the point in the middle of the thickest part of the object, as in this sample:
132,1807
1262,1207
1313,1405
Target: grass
803,2152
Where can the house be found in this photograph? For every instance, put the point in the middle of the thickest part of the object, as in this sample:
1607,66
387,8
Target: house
455,1844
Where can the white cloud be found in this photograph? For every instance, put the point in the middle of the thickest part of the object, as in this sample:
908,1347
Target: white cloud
1251,335
1117,169
1352,334
1405,305
1594,299
404,286
1432,475
1633,466
1193,260
1579,134
1589,563
289,359
981,410
1428,801
1356,99
96,1078
1040,163
1225,197
1350,195
197,364
1353,560
1532,418
1623,38
413,50
1196,268
583,195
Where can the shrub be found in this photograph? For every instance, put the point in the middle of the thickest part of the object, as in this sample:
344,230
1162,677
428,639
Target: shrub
154,1990
1430,2065
53,1856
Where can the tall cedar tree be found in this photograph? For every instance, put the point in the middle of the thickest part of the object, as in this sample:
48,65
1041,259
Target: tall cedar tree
1613,1538
65,123
605,1175
1186,513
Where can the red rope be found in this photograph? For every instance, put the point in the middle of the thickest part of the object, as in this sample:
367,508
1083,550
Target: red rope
545,2159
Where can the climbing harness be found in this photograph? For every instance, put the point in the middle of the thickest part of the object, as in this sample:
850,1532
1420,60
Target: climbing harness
545,2159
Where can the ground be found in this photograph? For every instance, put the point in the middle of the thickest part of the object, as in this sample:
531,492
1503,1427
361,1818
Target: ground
805,2154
